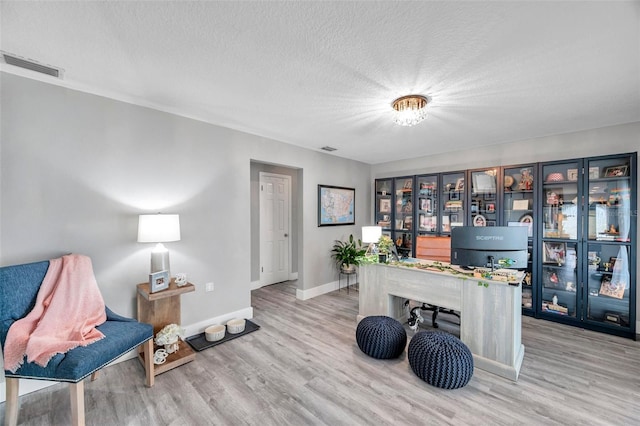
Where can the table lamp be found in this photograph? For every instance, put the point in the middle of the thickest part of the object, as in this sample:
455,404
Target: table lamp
371,235
159,228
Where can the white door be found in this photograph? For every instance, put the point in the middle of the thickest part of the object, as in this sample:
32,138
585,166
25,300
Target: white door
274,228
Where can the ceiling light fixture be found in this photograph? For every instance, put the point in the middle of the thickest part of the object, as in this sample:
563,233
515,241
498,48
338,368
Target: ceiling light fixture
410,110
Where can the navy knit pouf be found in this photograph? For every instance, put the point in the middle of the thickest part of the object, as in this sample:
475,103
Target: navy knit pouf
381,337
440,359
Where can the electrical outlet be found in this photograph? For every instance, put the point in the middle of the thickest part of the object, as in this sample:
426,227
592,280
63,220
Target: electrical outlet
208,287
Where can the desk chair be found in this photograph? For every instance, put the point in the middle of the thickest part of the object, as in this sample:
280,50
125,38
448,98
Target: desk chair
19,285
436,249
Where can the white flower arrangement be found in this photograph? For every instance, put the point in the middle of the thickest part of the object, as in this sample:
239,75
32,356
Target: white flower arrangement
168,335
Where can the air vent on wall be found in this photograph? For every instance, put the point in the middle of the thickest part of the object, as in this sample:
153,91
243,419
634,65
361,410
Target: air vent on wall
32,65
328,148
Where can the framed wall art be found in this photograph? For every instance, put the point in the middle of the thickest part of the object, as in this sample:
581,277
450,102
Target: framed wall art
336,205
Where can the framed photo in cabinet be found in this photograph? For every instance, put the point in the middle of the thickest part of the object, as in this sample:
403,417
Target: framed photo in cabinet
594,172
554,252
521,204
612,288
385,205
572,174
460,184
336,205
615,171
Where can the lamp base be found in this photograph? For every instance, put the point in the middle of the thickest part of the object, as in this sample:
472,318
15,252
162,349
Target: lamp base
160,259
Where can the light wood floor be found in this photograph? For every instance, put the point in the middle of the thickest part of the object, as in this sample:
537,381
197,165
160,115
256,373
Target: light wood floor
303,367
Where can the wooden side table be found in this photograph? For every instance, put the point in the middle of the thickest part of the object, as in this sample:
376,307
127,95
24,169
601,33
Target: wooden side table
159,309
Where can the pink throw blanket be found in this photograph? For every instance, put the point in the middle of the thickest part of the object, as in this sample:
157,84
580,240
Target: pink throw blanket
68,308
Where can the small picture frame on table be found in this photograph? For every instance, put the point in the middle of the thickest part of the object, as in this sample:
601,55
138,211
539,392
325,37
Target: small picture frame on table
158,281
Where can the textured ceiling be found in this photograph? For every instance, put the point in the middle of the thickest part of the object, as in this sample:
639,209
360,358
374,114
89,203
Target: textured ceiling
325,73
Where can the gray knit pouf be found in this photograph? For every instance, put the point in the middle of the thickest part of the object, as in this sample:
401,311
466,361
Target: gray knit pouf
381,337
440,359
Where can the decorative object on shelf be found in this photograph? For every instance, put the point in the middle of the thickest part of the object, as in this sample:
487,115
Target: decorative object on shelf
160,356
616,171
521,204
554,299
348,254
158,281
169,337
236,325
460,184
508,182
555,177
526,180
594,172
553,198
336,205
479,220
159,228
572,174
181,279
410,110
611,288
214,333
385,205
553,252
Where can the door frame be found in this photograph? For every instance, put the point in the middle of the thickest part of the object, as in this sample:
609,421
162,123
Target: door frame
287,178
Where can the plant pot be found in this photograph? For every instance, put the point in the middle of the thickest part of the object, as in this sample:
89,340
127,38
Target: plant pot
348,269
382,258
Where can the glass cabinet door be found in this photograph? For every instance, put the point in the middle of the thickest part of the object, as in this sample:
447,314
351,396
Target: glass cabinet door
560,200
559,278
518,210
609,280
482,207
609,200
403,215
609,223
383,203
559,250
453,189
427,208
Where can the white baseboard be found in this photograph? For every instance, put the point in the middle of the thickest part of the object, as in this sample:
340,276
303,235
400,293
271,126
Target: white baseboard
293,276
199,327
316,291
28,385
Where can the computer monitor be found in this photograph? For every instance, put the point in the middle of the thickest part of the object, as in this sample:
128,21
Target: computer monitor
489,246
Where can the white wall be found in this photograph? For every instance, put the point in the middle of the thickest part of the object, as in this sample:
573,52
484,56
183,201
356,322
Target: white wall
619,139
77,169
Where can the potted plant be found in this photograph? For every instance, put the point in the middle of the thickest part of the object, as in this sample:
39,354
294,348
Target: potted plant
385,243
348,254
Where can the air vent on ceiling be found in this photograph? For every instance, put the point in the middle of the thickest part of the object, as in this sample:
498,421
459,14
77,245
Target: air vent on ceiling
32,65
328,148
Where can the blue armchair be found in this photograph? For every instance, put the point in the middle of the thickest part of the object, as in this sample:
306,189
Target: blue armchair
19,285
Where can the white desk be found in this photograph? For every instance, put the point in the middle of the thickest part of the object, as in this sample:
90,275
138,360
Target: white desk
490,317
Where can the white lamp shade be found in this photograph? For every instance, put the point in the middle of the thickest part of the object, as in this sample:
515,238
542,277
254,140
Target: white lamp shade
371,234
158,228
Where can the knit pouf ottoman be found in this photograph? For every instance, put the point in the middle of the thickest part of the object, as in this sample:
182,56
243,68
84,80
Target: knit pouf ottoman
440,359
381,337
